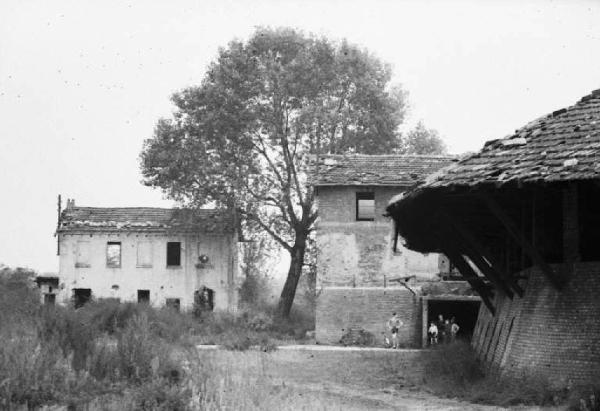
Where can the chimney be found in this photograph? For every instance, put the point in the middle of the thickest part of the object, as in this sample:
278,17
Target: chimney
70,203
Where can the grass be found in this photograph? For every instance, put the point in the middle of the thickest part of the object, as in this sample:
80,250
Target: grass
454,371
135,353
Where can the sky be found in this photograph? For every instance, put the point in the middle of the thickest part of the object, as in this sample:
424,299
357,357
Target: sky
83,83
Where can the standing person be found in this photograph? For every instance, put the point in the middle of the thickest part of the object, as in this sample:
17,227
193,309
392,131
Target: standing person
440,327
453,329
394,325
433,333
447,331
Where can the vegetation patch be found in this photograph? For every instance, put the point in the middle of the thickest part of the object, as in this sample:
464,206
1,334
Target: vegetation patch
454,371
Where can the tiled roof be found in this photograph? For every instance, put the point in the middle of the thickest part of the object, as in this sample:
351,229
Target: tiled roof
376,170
564,145
143,219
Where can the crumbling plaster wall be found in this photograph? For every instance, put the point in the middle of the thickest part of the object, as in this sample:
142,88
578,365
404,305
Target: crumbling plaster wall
163,282
359,253
550,332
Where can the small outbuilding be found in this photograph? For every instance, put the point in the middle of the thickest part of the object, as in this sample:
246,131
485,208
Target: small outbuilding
525,212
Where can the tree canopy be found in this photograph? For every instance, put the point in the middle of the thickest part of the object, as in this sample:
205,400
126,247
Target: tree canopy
422,140
246,135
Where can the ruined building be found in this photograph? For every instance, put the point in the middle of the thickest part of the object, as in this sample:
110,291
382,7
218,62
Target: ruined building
363,272
525,211
153,255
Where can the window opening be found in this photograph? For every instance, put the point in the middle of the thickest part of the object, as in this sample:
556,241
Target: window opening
173,254
113,254
365,206
173,303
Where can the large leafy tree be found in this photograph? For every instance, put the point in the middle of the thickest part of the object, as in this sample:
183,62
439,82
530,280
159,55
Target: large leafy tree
422,140
265,107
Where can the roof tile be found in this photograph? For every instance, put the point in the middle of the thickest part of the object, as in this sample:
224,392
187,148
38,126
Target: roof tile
377,170
147,219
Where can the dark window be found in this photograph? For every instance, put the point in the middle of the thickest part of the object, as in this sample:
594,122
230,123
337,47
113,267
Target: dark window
113,254
81,296
143,296
174,254
365,206
49,299
174,303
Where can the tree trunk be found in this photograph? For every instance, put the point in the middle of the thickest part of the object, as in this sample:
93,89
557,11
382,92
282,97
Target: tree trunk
291,283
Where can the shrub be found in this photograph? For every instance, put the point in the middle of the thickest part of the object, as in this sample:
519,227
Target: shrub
20,296
357,337
32,371
160,394
452,365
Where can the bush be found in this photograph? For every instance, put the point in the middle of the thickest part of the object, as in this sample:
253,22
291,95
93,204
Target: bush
32,371
160,394
357,337
20,297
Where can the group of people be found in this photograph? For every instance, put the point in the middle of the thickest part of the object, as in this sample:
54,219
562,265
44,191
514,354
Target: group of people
442,330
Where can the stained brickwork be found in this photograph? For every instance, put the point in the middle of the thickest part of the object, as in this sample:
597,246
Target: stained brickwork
368,308
556,333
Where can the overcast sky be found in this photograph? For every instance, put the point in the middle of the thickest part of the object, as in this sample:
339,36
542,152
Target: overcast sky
83,83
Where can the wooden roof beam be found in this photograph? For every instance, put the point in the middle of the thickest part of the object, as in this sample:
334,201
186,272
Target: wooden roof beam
466,271
520,239
482,258
468,274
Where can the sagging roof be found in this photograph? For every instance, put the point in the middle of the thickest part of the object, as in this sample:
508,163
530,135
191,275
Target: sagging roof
377,170
561,146
148,219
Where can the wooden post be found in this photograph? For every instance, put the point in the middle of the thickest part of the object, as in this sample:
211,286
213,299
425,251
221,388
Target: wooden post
526,246
570,224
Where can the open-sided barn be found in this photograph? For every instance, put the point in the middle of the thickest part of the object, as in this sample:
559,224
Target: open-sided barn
525,211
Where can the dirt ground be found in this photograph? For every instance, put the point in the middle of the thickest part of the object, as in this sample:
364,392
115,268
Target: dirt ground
346,379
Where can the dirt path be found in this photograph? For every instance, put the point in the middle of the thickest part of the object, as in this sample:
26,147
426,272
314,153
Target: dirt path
352,378
355,375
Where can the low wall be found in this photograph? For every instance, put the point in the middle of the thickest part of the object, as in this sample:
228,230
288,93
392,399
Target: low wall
368,308
550,332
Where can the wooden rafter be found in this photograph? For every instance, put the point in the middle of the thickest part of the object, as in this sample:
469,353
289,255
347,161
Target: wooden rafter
520,239
465,270
471,276
482,258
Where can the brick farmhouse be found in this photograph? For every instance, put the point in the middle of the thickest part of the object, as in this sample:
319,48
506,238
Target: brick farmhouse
525,210
364,273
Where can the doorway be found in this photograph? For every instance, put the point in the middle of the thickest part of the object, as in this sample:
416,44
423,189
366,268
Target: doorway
143,296
465,311
81,296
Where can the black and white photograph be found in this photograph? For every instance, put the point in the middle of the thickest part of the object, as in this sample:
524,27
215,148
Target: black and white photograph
299,205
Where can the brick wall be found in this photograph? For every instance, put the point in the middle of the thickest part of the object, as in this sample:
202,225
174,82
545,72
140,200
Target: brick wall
368,308
554,333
